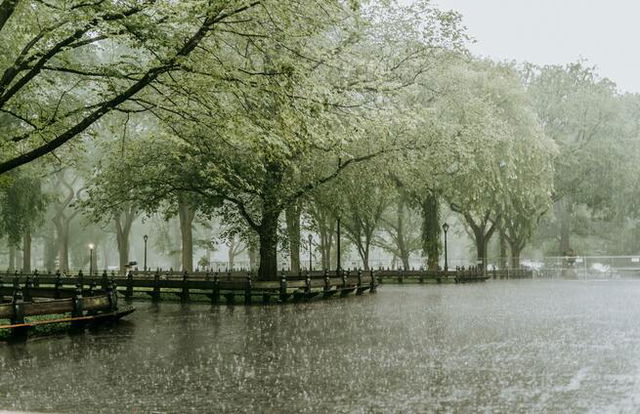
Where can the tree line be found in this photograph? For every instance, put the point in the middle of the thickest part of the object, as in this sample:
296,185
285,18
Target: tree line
280,117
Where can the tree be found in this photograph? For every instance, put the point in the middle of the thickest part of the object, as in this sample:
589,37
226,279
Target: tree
361,205
55,80
577,109
22,207
64,213
507,137
401,226
321,210
261,141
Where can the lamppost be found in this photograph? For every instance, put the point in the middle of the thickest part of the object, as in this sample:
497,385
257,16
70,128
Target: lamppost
338,247
145,237
91,246
445,227
310,258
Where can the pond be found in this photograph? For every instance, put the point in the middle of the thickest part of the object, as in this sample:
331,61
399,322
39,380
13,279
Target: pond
502,346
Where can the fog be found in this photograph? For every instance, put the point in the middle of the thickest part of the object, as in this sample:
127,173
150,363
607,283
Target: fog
557,32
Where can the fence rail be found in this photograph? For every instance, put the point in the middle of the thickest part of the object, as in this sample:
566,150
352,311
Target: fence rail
231,285
214,285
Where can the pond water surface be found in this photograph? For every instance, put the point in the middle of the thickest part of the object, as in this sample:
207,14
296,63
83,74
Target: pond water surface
544,346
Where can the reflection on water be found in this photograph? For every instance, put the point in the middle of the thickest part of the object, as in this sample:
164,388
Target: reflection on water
500,346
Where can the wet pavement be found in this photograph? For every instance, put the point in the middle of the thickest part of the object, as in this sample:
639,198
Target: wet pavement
521,346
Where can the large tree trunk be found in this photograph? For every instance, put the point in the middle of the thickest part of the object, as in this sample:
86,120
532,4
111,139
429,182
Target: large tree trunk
503,250
254,256
105,257
326,233
431,230
12,258
26,252
63,246
515,255
365,258
123,249
186,214
124,221
231,258
292,217
481,250
94,260
50,251
401,236
268,235
564,216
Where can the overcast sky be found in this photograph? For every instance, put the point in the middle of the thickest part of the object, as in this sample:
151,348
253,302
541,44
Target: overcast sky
605,32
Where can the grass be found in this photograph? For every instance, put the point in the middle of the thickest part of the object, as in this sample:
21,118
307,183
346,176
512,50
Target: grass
40,330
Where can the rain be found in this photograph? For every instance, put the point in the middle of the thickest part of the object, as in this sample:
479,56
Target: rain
285,206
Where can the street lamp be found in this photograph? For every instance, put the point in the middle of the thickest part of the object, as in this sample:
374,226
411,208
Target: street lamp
338,247
445,227
310,258
145,237
91,246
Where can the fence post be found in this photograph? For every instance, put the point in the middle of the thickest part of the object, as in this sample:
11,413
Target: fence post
28,286
92,286
247,290
215,292
185,289
327,282
105,280
307,284
78,302
112,294
156,286
57,285
36,278
129,291
283,287
17,315
359,287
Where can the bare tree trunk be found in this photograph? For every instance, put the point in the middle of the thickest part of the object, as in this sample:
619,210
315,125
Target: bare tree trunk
12,258
564,216
327,234
482,232
105,257
292,217
268,234
26,252
50,250
186,215
254,257
515,256
94,261
503,250
235,249
431,230
365,259
401,236
481,250
63,246
123,221
62,221
123,248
